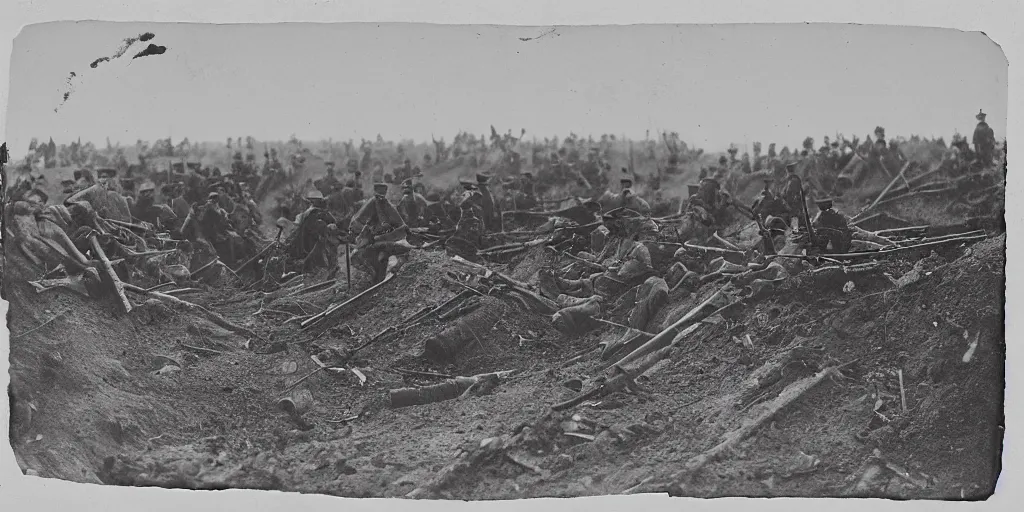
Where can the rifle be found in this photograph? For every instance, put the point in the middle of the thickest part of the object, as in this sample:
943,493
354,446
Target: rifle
348,266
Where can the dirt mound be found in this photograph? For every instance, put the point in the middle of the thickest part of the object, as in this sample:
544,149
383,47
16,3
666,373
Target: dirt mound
161,397
155,386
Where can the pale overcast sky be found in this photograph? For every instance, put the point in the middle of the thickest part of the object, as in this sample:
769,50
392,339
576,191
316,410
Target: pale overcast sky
714,85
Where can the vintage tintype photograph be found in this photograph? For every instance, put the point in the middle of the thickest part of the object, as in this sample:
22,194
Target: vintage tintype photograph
491,262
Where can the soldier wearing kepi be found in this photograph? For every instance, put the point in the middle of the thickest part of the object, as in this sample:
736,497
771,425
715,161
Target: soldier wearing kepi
315,238
469,230
629,199
179,204
326,184
792,194
215,228
984,140
708,192
768,204
144,208
629,264
412,206
105,197
491,212
67,187
835,235
378,228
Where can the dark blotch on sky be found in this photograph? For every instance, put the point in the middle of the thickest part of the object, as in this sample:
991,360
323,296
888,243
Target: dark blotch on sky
97,62
152,49
147,36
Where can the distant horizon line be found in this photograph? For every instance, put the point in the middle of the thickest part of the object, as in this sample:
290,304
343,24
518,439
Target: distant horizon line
414,142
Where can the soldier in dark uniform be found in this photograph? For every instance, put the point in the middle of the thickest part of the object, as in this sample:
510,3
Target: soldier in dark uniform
768,204
528,192
350,197
831,229
178,203
984,140
144,208
708,193
692,191
629,199
83,179
469,230
67,187
792,194
327,183
215,228
315,236
105,197
404,172
694,206
377,227
491,212
336,202
412,206
435,215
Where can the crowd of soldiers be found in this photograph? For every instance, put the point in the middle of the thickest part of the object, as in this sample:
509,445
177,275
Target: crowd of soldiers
219,211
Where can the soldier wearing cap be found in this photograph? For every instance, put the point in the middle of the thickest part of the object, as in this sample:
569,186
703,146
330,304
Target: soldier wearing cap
223,198
83,179
104,197
336,201
144,208
314,238
769,228
412,206
106,174
214,226
629,264
792,194
768,204
631,200
178,203
350,197
377,227
599,235
490,210
469,229
37,196
527,197
835,234
708,194
984,140
831,228
67,187
723,173
316,202
325,183
436,214
694,205
745,166
38,236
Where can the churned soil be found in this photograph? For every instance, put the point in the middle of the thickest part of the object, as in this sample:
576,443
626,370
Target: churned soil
162,397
